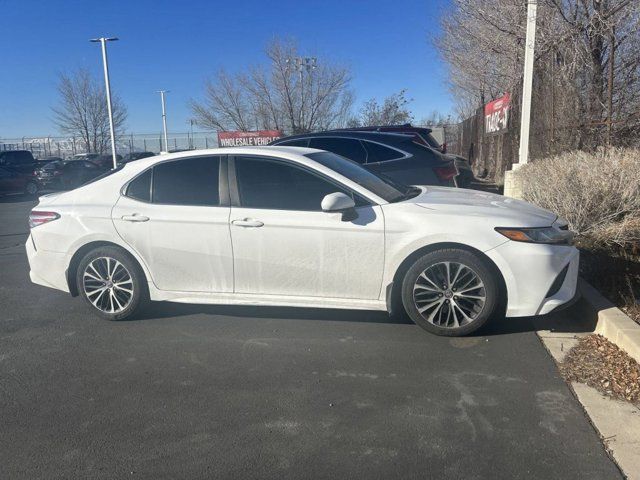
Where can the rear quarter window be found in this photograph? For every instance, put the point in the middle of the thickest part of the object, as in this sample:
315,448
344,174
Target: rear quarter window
380,153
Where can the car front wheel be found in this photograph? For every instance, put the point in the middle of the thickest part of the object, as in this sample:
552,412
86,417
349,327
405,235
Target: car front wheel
112,283
450,292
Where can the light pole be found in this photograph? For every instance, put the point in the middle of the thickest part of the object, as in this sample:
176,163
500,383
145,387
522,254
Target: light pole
103,42
164,120
527,83
513,183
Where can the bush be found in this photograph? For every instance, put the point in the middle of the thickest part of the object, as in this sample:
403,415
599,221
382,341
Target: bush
597,193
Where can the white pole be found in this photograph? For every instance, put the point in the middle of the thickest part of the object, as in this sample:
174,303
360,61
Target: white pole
164,120
525,121
103,42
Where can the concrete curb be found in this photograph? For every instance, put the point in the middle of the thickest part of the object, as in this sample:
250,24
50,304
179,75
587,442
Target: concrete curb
610,321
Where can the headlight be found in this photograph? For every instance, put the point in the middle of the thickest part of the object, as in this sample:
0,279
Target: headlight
548,235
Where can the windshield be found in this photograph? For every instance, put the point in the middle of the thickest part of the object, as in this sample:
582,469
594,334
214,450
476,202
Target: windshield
385,188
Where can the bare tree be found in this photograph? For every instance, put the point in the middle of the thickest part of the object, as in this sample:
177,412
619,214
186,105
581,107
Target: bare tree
82,110
394,110
277,95
586,71
436,119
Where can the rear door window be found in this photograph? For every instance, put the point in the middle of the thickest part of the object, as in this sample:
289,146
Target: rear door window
346,147
190,181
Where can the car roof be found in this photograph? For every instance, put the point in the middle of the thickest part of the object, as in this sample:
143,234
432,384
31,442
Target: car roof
295,154
382,137
287,152
15,151
407,127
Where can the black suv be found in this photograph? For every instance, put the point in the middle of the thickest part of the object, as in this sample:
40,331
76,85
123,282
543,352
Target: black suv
20,161
398,157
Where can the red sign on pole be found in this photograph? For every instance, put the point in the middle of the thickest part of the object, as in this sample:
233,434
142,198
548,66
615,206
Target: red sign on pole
246,139
496,114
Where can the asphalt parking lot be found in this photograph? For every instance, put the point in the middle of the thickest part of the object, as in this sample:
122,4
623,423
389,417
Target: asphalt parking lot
239,392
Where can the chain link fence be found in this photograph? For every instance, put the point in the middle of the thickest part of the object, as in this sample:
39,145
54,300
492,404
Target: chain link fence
66,147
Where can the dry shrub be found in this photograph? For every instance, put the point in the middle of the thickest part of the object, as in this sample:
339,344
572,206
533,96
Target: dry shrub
598,193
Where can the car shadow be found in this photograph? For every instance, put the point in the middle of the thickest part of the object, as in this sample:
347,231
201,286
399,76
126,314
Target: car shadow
157,310
18,198
575,319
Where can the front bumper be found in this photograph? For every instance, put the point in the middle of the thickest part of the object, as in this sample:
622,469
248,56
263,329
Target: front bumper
529,271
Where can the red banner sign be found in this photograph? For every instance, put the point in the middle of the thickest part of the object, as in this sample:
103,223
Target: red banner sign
247,139
496,114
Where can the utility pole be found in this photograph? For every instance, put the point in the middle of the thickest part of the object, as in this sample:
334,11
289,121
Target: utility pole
103,42
300,64
513,183
527,84
164,120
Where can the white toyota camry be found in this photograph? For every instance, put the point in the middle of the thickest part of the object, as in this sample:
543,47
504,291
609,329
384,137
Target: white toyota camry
298,227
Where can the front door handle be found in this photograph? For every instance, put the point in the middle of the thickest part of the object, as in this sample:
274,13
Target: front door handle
247,222
135,218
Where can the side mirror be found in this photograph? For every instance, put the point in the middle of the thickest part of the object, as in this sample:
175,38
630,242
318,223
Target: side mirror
340,203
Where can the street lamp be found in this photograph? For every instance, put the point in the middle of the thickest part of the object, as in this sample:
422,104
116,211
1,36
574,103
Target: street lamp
164,119
103,42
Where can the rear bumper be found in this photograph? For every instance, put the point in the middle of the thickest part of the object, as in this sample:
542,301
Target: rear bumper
47,268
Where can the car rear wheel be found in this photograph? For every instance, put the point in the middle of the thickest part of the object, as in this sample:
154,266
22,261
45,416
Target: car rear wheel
31,189
450,292
112,283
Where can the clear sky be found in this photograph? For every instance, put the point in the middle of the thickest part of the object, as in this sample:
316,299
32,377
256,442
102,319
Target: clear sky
175,45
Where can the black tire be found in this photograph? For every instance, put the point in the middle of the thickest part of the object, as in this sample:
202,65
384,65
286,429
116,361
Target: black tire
434,263
31,189
140,291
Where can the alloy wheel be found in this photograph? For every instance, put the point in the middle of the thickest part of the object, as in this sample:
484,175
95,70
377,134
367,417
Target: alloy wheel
449,294
108,284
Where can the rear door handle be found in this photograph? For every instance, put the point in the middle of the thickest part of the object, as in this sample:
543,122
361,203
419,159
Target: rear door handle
135,218
247,222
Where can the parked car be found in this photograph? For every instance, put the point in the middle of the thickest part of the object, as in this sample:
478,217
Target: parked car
130,157
298,227
40,162
12,181
67,175
85,156
103,160
20,161
396,156
424,136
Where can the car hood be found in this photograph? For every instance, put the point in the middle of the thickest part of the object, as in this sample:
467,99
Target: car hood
506,211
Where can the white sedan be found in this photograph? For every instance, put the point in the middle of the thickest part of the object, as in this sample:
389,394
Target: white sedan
298,227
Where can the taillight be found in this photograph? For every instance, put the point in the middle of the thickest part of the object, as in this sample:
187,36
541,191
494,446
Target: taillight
446,173
444,147
38,218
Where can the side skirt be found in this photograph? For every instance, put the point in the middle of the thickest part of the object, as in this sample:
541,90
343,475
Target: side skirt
267,300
